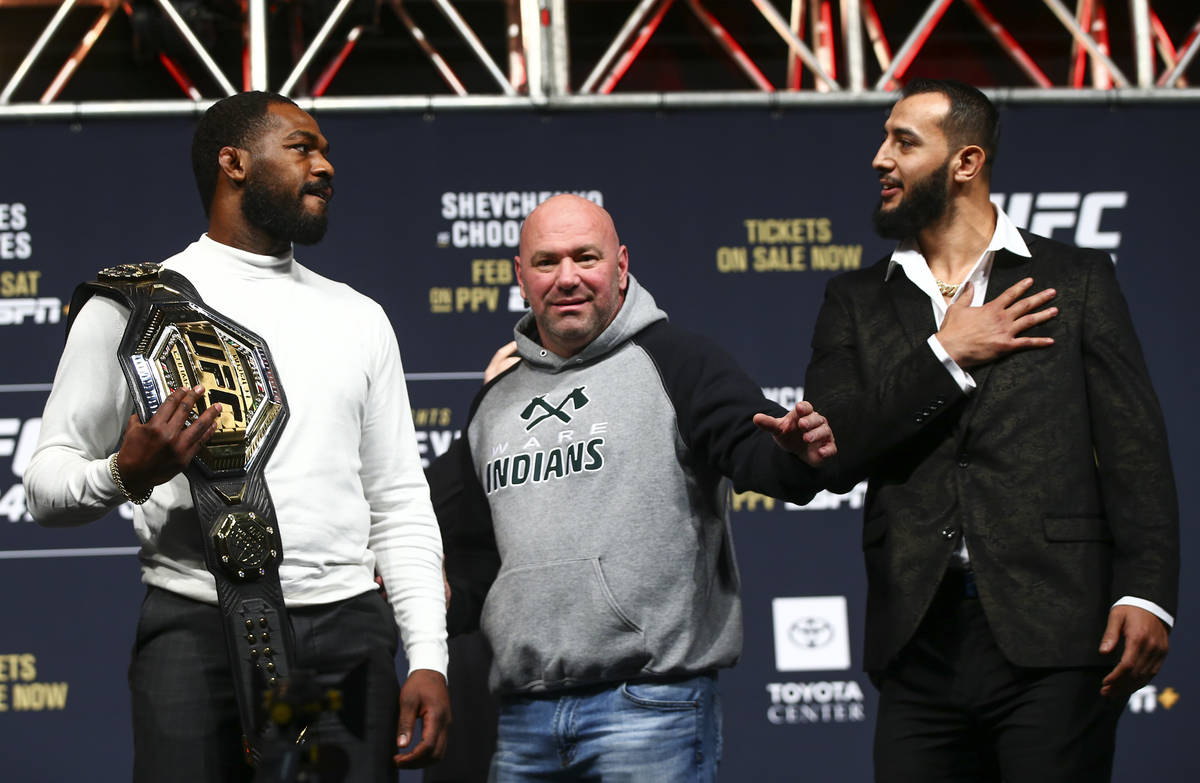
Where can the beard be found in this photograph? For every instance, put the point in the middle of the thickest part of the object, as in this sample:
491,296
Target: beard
924,202
282,215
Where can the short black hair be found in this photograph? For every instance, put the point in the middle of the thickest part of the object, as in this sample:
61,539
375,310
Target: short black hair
236,121
972,118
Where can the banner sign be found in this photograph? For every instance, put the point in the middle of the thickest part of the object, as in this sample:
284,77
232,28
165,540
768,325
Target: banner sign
735,221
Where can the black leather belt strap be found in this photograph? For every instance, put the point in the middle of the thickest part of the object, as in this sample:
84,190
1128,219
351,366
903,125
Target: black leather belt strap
173,340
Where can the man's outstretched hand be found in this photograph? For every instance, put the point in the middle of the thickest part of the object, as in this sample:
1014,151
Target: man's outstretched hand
155,452
802,431
424,697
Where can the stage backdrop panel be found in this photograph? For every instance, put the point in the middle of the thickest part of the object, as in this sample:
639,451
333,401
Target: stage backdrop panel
735,220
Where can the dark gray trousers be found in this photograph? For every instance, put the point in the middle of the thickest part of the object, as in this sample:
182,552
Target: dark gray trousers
185,718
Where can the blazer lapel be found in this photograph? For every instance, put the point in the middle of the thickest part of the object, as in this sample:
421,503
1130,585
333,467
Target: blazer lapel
912,307
1007,269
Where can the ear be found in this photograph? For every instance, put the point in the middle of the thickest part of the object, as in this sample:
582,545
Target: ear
232,161
517,272
623,269
969,163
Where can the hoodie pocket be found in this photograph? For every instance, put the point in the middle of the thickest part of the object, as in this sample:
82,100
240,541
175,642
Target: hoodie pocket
558,624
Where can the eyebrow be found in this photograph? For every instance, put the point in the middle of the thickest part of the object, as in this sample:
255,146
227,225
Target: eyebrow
902,130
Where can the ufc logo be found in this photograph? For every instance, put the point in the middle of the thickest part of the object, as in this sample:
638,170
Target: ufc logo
1045,213
17,440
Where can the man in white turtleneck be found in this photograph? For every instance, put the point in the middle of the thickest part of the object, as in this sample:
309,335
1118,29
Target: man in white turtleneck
345,477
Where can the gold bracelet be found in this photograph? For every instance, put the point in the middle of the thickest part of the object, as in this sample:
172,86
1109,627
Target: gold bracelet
116,477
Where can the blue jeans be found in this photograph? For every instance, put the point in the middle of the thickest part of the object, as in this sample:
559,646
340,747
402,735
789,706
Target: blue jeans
661,731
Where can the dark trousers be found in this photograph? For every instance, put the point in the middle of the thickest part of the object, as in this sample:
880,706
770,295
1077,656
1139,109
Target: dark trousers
185,718
952,708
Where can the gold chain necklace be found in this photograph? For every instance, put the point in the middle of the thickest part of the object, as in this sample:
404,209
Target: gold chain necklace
945,288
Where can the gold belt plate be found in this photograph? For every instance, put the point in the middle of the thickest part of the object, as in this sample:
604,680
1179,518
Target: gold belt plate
182,347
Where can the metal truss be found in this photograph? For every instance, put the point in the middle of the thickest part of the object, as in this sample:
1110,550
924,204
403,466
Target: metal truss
836,51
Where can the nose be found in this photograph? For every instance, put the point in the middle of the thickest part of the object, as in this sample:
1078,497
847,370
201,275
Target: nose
567,275
882,161
321,166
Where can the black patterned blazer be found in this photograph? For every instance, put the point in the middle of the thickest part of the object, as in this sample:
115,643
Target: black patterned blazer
1056,467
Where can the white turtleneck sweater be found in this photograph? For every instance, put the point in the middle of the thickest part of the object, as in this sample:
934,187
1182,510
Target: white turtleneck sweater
345,475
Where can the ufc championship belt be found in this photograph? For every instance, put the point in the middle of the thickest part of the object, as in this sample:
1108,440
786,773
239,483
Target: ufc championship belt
174,341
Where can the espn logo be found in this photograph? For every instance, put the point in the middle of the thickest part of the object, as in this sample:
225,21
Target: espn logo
43,310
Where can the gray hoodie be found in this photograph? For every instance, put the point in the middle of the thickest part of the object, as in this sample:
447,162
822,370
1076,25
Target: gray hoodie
605,474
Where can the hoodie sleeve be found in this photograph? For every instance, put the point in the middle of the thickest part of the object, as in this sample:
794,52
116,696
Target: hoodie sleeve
715,402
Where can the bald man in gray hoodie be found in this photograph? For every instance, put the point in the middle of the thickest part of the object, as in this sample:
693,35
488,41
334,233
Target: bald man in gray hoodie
604,459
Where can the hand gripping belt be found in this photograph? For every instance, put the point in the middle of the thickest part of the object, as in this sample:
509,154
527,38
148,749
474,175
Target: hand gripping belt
172,341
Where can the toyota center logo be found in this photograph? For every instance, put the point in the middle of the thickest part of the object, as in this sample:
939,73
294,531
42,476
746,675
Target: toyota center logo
811,632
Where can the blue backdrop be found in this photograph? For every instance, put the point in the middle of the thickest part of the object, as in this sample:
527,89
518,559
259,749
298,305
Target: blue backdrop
735,220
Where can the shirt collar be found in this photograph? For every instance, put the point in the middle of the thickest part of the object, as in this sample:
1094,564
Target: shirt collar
1006,236
257,260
